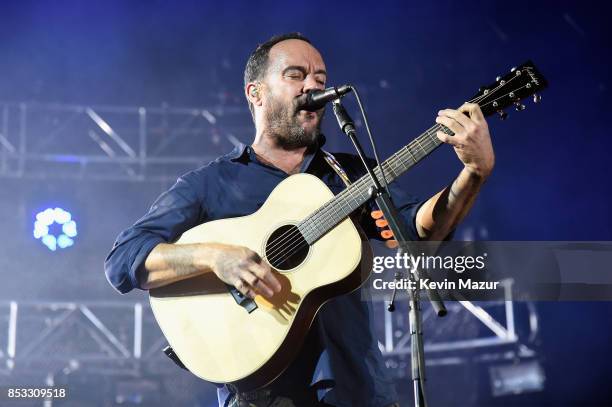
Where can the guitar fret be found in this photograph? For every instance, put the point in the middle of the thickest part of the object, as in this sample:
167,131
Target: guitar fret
339,207
409,150
401,164
419,143
389,171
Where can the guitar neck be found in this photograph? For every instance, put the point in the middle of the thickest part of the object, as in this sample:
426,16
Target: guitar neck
358,193
509,90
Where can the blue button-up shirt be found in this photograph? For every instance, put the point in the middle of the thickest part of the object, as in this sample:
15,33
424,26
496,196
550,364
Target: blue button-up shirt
341,356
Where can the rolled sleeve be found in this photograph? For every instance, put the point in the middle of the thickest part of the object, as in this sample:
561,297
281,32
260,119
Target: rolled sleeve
125,260
175,211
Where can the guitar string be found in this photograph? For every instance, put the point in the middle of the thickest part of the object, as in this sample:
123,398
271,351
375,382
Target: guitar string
282,240
297,242
309,226
358,186
297,237
323,210
275,252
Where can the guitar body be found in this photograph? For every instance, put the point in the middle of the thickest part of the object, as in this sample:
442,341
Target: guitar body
217,338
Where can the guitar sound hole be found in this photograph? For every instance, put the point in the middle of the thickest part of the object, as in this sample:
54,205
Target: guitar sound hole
286,248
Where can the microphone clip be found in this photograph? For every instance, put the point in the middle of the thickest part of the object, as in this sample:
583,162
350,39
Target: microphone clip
344,120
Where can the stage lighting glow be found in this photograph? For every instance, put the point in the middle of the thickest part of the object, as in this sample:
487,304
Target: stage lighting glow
61,216
44,229
64,241
50,242
45,217
69,228
517,378
40,229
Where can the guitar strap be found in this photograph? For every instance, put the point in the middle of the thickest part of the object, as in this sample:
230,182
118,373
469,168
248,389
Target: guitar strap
331,160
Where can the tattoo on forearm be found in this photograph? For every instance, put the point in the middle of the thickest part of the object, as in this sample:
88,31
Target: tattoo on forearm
181,261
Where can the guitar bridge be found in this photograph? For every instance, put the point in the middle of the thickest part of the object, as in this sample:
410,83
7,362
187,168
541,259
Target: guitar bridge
245,302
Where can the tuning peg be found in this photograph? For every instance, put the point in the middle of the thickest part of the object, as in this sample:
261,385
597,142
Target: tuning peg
536,98
502,115
519,106
498,79
513,69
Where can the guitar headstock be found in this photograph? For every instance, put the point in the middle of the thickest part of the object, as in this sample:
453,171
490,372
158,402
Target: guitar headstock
520,83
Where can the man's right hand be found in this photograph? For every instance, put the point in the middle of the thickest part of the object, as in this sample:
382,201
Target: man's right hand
245,270
235,265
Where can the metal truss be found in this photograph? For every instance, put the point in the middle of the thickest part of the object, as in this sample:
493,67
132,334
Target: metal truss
471,332
124,337
97,337
117,143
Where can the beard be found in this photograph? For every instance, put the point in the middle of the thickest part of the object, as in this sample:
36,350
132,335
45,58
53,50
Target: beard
285,127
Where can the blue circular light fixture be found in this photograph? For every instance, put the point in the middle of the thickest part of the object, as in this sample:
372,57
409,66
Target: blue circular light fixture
55,228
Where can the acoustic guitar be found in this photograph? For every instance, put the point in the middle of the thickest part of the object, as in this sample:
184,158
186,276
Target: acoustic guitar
306,235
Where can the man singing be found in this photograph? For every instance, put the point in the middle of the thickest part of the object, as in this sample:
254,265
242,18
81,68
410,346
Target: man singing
340,363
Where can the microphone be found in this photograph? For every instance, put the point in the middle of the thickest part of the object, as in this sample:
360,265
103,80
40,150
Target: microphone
315,100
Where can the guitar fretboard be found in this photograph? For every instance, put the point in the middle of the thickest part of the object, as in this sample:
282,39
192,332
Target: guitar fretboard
342,205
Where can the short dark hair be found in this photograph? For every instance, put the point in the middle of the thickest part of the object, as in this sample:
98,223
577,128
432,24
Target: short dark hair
257,63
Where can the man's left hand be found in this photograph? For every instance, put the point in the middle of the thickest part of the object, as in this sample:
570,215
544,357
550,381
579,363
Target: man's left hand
472,141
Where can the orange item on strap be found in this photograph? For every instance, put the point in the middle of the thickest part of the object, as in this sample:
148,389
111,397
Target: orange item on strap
377,214
381,223
386,234
391,244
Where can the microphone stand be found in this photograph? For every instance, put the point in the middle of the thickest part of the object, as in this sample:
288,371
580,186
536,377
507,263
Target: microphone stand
396,224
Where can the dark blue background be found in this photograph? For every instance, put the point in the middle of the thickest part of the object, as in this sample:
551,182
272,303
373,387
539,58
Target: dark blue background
409,59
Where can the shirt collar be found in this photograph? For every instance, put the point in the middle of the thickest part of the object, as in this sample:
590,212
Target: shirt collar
243,151
238,152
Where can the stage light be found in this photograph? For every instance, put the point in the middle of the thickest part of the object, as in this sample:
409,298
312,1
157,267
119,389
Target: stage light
64,241
54,237
517,378
69,228
50,242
